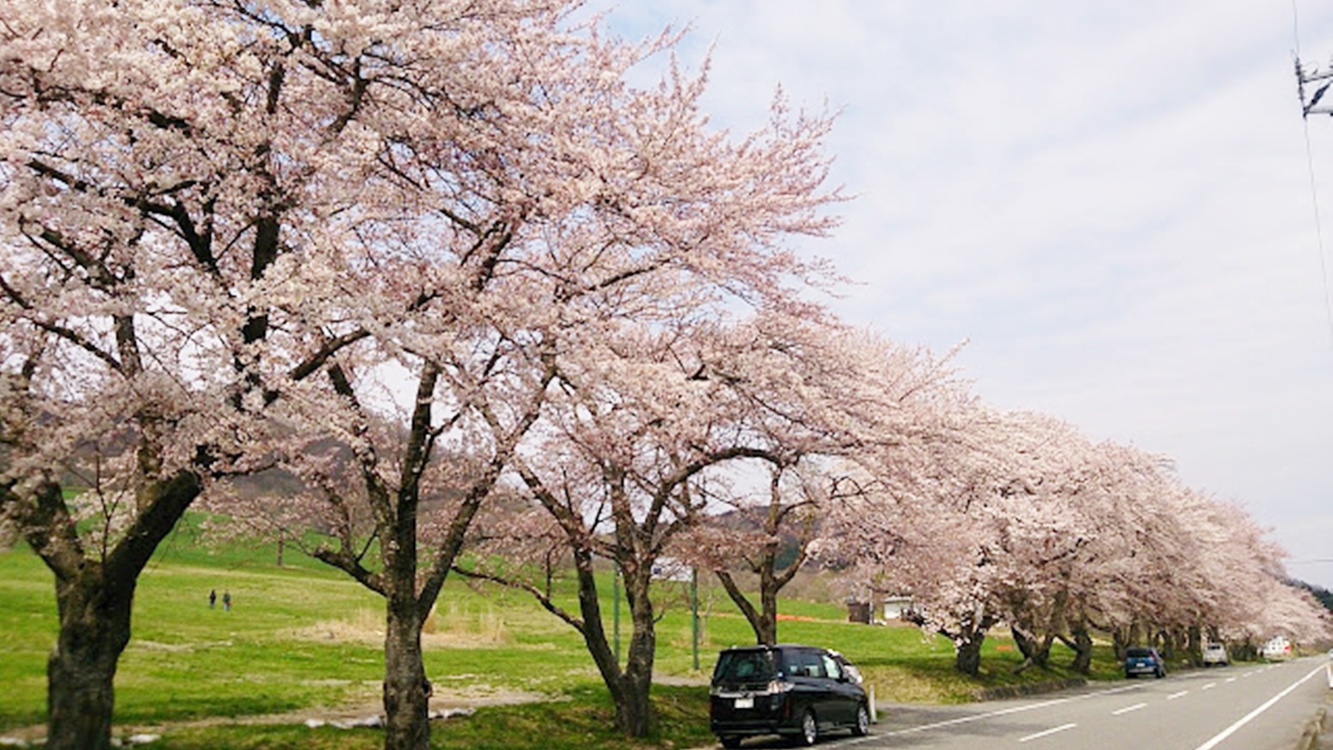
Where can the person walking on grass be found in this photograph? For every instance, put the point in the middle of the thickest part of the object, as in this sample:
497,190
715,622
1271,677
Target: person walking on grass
226,601
212,598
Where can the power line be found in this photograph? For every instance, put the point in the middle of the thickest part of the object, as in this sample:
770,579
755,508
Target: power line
1306,110
1319,232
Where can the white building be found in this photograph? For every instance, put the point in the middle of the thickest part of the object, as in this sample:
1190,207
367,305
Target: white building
896,607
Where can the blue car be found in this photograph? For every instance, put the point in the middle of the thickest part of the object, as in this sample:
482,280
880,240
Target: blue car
1144,661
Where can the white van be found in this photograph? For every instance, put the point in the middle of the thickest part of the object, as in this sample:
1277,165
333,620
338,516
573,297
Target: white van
1277,648
1215,654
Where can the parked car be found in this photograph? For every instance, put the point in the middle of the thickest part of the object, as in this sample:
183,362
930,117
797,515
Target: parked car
1277,649
1144,661
1215,654
798,691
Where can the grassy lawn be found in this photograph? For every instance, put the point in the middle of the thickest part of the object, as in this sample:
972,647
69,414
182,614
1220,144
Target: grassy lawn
303,641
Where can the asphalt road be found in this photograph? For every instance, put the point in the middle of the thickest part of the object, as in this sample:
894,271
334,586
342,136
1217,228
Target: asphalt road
1243,707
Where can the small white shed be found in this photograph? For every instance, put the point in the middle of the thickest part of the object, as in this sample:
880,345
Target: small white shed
896,606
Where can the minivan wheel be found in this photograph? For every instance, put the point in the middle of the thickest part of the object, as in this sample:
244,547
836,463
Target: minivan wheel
730,742
862,721
809,729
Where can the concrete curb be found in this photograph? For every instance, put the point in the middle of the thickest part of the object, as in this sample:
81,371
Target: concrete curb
1310,739
1033,688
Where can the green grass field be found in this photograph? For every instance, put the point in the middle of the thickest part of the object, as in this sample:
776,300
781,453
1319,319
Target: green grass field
303,641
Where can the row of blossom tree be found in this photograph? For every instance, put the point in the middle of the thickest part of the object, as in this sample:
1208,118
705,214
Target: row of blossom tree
503,313
1029,524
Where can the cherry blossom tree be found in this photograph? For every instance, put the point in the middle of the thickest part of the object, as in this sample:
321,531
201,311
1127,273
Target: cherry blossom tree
861,394
646,433
888,543
769,541
990,528
1042,533
957,527
154,178
1112,491
561,207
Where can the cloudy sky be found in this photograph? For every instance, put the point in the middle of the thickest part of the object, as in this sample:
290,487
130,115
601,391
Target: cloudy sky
1110,202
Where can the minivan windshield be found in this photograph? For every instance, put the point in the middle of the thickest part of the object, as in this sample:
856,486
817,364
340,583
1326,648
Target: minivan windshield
1137,653
744,666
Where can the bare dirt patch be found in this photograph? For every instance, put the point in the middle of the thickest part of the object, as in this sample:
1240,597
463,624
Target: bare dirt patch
366,627
447,699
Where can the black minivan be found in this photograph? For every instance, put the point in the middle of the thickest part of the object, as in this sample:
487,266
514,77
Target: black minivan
800,691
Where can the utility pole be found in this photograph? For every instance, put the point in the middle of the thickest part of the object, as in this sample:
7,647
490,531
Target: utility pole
1313,76
694,614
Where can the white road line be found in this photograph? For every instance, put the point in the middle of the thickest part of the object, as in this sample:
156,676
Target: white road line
1005,712
1047,733
1127,709
1209,686
1231,679
1112,691
975,717
1174,696
1214,742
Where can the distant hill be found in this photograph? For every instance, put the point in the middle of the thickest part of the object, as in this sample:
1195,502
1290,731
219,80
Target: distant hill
1324,596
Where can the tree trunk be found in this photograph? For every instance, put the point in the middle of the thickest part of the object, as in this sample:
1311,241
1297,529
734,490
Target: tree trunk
772,579
1245,651
1168,642
766,630
764,622
968,657
634,698
95,599
406,708
94,630
1082,651
406,690
634,707
1120,640
1194,644
1036,652
967,640
630,688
